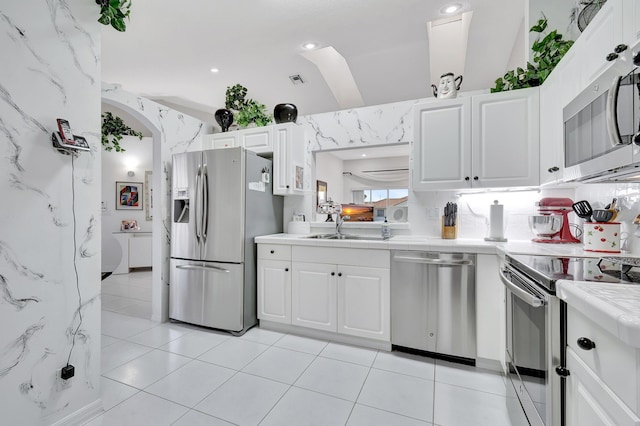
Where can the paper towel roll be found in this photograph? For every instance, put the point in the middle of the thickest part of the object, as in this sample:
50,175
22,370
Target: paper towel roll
496,222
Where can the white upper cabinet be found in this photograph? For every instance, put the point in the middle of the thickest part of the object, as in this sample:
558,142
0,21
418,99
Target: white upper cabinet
631,25
599,39
221,140
442,144
505,139
289,171
485,141
257,139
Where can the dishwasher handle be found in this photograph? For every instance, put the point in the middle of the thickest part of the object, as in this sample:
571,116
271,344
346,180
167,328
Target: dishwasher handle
525,296
439,262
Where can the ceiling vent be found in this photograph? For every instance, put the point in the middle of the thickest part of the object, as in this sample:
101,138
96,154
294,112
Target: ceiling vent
296,79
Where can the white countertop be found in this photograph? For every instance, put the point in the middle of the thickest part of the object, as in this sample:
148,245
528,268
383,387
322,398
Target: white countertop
616,307
424,243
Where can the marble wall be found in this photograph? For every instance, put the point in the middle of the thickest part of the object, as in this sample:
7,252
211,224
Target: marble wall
173,132
50,214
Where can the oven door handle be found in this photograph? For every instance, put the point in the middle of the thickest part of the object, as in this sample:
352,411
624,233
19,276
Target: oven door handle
611,113
523,295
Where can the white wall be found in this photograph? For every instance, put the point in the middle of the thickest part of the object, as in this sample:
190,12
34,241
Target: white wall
51,69
329,169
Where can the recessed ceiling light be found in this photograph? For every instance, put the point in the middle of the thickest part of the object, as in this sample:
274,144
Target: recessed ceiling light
214,70
310,45
450,9
364,155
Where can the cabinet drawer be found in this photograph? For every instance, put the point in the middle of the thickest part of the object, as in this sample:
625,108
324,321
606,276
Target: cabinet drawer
274,251
615,363
343,256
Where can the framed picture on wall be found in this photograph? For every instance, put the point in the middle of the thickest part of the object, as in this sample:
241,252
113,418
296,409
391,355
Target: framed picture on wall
321,192
129,195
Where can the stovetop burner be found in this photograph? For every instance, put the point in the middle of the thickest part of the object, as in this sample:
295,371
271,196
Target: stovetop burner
546,270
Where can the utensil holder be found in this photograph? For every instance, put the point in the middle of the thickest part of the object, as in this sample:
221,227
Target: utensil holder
449,232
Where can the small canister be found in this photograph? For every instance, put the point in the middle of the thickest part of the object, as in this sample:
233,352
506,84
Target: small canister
602,237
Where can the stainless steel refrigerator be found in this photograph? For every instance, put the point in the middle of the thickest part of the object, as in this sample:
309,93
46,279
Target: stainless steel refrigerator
220,202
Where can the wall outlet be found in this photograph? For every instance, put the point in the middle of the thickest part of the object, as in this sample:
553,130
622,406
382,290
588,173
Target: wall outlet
433,213
60,383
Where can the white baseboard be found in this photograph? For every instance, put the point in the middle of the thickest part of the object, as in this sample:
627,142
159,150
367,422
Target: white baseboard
82,415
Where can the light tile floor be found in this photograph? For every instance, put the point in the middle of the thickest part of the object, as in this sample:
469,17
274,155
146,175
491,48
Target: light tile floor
177,374
128,294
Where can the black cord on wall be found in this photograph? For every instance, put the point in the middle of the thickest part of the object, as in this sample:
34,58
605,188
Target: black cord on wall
75,255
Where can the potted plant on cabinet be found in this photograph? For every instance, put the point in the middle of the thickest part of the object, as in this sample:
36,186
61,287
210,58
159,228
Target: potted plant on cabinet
246,111
114,12
113,129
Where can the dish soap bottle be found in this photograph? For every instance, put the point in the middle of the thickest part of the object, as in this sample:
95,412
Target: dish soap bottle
385,230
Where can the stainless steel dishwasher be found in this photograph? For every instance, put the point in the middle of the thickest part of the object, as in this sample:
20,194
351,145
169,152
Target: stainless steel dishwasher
433,303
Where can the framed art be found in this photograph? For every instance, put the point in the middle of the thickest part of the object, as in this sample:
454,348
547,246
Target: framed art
129,195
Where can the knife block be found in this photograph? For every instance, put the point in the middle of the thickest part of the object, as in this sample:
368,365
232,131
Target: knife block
449,232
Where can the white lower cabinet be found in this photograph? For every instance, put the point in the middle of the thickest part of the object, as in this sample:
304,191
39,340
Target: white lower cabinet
313,296
590,402
274,290
335,290
364,302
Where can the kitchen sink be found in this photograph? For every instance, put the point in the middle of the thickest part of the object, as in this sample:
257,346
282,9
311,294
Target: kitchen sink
346,237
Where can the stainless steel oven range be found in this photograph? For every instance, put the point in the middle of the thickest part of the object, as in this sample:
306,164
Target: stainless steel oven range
536,329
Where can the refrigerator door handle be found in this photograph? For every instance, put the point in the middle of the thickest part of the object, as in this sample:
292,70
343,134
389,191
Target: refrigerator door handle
197,203
205,203
202,268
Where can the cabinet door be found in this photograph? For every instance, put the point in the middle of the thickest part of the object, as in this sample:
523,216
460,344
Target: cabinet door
599,39
589,402
313,295
257,139
551,131
140,249
220,140
631,10
364,302
442,145
274,290
505,139
282,161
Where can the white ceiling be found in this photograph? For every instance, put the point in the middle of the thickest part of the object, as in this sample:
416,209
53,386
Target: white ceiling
170,46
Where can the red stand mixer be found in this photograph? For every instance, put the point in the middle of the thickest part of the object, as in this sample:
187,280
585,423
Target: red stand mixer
551,225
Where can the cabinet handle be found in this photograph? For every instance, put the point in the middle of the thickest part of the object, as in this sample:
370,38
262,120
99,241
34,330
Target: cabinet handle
612,56
475,178
466,178
273,251
586,343
287,186
286,269
620,48
636,59
333,273
553,169
562,372
339,274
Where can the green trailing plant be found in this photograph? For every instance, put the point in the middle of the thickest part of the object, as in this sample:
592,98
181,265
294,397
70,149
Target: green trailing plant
246,111
114,13
113,129
547,52
235,97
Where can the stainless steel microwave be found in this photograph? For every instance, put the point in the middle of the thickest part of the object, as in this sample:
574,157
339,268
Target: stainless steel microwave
601,128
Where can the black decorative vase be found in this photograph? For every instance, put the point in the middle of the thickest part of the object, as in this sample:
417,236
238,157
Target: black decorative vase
224,117
285,113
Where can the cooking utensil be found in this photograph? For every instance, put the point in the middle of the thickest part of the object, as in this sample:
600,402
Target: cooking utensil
612,209
583,210
602,215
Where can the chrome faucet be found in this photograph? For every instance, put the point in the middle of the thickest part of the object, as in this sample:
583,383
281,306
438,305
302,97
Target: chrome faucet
339,221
